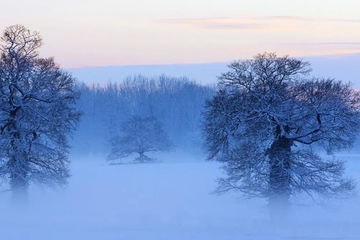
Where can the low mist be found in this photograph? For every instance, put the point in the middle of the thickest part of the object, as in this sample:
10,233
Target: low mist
170,199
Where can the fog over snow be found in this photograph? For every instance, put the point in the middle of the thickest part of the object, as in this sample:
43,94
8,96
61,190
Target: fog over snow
167,200
340,67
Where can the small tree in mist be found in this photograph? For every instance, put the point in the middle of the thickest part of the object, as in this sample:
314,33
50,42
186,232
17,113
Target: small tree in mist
264,121
178,102
140,135
36,113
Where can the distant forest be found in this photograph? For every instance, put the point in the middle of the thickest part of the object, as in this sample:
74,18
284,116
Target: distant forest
176,102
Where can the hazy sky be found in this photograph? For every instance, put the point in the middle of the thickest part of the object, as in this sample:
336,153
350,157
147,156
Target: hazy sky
117,32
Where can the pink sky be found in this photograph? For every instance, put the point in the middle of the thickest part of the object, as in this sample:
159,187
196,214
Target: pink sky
101,33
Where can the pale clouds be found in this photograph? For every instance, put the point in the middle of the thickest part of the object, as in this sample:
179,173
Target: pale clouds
216,23
294,35
268,23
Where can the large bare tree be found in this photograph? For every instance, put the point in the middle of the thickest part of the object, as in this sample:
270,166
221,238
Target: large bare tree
36,113
264,123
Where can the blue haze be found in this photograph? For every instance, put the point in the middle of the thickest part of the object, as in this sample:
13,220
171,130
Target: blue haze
340,67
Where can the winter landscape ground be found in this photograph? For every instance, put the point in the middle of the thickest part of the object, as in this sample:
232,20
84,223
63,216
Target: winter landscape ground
170,199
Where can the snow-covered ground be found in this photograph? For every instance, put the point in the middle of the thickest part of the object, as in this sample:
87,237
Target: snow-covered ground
170,200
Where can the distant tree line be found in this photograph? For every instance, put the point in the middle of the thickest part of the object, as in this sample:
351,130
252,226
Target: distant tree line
175,102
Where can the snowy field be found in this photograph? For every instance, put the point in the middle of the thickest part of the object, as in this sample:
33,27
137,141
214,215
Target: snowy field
170,200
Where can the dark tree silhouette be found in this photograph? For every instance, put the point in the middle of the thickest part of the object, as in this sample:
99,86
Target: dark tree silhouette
263,122
140,135
36,113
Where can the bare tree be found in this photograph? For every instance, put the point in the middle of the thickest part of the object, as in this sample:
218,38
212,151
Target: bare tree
264,122
140,135
36,114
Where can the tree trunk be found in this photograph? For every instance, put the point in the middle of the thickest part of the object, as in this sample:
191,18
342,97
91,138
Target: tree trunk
142,157
18,183
17,164
280,177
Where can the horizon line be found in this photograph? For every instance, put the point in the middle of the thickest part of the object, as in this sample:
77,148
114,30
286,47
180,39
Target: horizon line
204,63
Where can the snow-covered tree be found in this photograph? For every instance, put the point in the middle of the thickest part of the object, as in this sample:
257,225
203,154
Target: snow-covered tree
266,120
140,135
36,114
